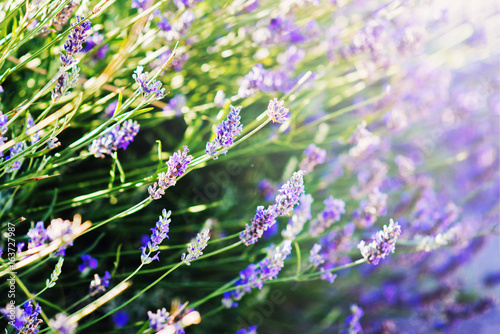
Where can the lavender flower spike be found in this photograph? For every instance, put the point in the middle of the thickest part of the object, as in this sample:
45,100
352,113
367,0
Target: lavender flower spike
119,137
99,284
384,243
289,194
225,132
196,247
276,112
160,232
264,219
60,324
146,86
314,156
352,321
177,165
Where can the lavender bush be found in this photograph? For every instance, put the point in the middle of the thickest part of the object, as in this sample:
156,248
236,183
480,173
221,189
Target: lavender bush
317,166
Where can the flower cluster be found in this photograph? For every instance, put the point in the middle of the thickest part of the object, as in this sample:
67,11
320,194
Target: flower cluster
88,262
276,112
177,164
301,214
334,208
24,319
147,87
73,45
225,132
352,321
175,321
99,284
61,324
120,136
366,215
384,243
160,232
287,198
313,157
250,330
196,247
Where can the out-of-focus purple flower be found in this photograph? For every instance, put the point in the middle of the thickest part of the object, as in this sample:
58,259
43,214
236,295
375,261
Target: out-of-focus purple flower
61,325
334,208
99,284
276,112
88,263
274,262
53,142
147,87
176,104
267,189
384,243
264,219
3,121
142,5
94,40
120,318
30,122
177,165
196,247
110,109
160,232
252,82
24,319
314,156
164,24
352,321
119,137
366,215
38,235
14,150
225,132
362,140
291,57
301,214
290,193
315,258
250,330
492,279
183,4
328,276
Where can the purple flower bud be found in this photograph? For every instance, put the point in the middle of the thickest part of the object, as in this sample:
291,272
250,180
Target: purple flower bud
384,243
225,132
276,112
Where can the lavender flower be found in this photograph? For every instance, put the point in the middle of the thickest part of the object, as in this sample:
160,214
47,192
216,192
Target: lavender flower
250,330
3,122
59,229
157,320
330,214
142,5
119,137
263,220
160,232
120,318
147,87
289,194
352,321
315,258
314,156
252,82
38,235
272,264
99,284
61,325
225,132
366,215
362,140
176,104
177,165
24,319
110,109
53,142
249,278
94,40
276,112
14,150
267,189
219,99
196,247
302,213
384,243
72,46
88,263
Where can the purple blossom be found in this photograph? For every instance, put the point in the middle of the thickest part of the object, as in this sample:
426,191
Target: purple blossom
24,319
119,137
38,235
334,208
196,247
160,232
220,99
352,321
315,258
142,5
94,40
147,87
249,278
76,38
264,218
3,121
290,193
301,214
176,104
250,330
276,112
88,263
110,109
120,318
61,325
267,189
225,132
30,122
384,243
366,215
177,165
271,265
99,284
14,150
158,320
314,156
